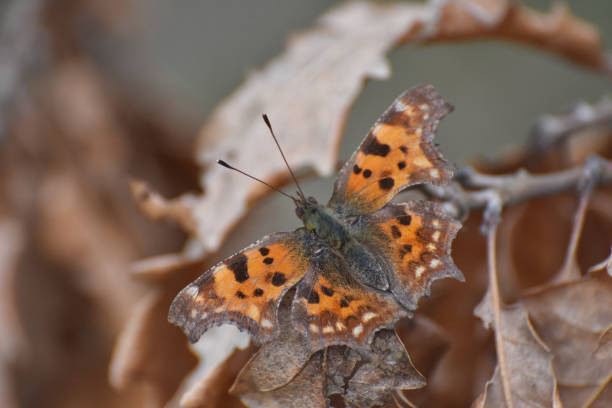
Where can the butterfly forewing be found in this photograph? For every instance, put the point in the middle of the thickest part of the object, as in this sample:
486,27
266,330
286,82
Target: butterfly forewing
415,238
244,289
396,153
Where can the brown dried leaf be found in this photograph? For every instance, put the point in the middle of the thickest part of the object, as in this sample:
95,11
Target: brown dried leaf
573,320
213,392
156,207
141,352
277,362
363,381
389,369
555,344
558,31
305,390
530,378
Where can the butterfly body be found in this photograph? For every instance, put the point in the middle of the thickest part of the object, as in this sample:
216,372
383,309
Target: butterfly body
359,263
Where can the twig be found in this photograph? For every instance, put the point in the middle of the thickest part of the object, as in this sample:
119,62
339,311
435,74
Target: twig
570,271
491,221
517,187
555,129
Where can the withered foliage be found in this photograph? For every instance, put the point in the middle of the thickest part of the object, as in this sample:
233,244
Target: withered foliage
84,291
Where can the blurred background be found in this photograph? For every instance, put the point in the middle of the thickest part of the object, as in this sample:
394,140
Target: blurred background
95,93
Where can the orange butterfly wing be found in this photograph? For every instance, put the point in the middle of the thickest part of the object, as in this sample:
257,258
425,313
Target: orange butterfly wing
415,238
330,307
245,289
395,154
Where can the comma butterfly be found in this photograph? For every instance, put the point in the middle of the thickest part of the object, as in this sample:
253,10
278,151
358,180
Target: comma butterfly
360,263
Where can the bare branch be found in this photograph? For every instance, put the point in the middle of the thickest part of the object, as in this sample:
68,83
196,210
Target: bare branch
554,129
516,187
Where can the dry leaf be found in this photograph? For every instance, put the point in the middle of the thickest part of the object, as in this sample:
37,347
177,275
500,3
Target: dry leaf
528,375
389,369
573,319
305,390
558,31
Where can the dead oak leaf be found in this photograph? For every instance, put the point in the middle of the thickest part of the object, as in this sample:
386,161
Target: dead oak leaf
551,343
574,320
558,31
389,369
529,376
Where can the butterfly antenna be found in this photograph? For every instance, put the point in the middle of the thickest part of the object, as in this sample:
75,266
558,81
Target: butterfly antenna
224,164
300,192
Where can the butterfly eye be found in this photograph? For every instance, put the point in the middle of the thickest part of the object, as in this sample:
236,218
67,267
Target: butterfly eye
312,200
299,212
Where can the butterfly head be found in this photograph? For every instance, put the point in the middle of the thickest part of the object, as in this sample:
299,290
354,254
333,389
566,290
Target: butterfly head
321,221
307,211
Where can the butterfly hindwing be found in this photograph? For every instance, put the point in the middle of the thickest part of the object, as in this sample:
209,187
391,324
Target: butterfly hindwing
396,153
331,307
245,289
415,238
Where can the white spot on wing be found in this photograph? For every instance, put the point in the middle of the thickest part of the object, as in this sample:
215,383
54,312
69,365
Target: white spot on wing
434,263
400,106
191,291
220,309
436,236
431,247
435,223
434,173
419,271
340,326
357,330
368,316
266,324
313,328
328,330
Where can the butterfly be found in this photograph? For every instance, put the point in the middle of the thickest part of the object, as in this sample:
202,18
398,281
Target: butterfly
359,263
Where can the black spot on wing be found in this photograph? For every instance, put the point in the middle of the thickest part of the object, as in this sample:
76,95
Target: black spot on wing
344,303
240,295
404,149
401,165
264,251
367,173
387,183
279,279
373,146
356,169
314,297
327,291
258,292
238,265
268,261
395,232
404,219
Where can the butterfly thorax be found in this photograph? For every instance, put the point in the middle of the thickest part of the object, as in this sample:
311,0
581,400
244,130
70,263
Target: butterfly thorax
323,223
336,236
